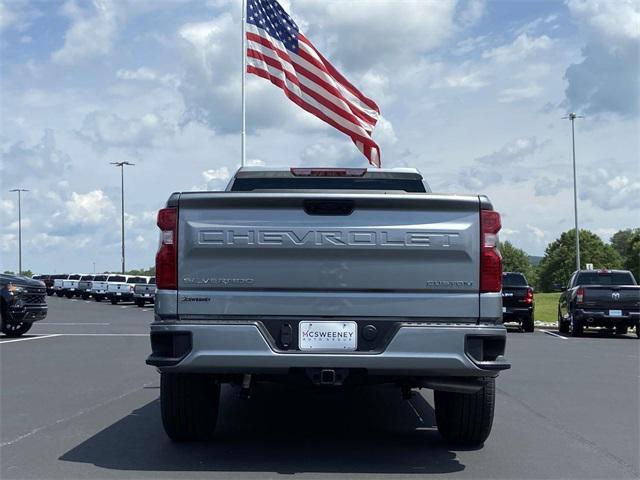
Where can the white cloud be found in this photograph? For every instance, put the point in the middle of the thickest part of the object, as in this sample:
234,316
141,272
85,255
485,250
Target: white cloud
17,15
538,234
512,152
382,34
92,32
471,12
606,80
25,223
8,243
618,19
609,189
509,95
41,159
521,48
7,208
106,130
150,75
216,179
90,208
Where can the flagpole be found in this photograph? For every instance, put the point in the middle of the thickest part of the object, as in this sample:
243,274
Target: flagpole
243,134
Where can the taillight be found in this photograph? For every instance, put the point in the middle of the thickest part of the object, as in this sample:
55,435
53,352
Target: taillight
167,256
580,295
529,297
490,259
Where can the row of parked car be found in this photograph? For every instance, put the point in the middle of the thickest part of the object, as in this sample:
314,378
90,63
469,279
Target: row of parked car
113,287
608,299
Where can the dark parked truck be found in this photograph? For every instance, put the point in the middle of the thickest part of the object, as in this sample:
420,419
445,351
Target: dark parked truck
600,298
145,292
328,277
517,300
22,302
84,286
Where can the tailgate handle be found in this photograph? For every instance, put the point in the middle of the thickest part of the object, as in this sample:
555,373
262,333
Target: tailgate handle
329,207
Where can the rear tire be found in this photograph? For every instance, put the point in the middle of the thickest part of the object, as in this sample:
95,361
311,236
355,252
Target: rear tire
528,325
85,296
189,404
97,298
621,329
69,295
114,301
577,328
60,294
464,418
140,303
563,327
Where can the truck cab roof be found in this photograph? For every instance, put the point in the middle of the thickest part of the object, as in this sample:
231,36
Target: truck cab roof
386,179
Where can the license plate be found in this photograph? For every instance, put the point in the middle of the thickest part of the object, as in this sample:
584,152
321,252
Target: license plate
504,309
118,293
615,313
328,336
146,294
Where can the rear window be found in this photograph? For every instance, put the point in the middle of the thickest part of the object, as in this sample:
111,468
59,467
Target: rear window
327,183
117,278
99,278
87,277
605,278
152,281
74,277
137,280
514,280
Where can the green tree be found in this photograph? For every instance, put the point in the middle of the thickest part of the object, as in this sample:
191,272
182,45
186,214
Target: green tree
151,271
559,260
632,260
515,259
621,241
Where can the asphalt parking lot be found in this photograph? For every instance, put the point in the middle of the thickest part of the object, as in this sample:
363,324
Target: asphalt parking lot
78,401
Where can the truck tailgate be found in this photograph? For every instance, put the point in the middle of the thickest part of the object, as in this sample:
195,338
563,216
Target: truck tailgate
329,254
611,296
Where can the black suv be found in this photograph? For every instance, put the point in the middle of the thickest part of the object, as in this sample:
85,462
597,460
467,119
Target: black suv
517,300
23,301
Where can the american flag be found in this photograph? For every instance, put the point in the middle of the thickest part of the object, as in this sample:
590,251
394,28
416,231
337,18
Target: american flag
280,53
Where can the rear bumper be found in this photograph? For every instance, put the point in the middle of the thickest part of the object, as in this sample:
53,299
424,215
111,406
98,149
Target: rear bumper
512,314
420,351
126,297
601,318
142,296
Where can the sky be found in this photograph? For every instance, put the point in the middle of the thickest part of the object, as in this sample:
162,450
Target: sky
472,93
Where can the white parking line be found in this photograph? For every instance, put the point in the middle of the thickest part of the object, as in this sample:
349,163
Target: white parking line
124,307
102,335
30,338
71,323
554,334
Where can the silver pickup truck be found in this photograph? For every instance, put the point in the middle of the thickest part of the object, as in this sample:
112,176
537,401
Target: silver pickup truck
328,278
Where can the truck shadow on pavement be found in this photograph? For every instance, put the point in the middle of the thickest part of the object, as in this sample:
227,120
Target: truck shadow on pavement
284,430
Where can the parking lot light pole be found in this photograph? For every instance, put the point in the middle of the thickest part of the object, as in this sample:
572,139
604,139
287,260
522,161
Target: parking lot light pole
19,190
122,165
572,116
